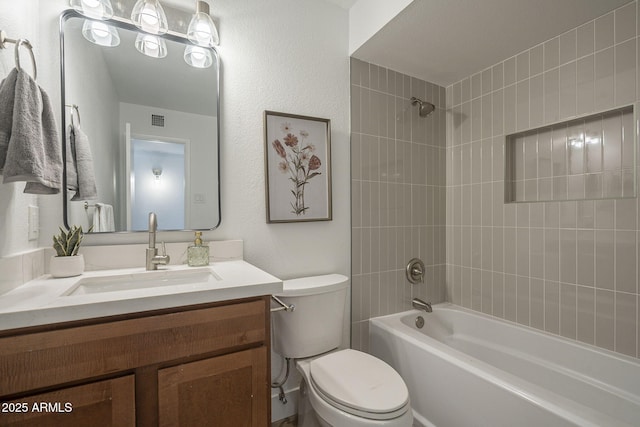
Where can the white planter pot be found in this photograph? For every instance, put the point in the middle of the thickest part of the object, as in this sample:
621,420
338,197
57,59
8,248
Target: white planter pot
66,266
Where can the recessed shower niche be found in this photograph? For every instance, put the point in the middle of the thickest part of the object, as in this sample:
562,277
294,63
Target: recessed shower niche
592,157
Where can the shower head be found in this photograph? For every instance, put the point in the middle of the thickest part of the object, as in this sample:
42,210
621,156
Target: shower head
425,108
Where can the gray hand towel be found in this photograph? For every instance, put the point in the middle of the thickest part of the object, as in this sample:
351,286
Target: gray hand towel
72,172
7,94
34,153
80,175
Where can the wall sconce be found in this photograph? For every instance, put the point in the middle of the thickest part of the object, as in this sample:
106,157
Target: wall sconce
96,9
149,16
157,172
202,30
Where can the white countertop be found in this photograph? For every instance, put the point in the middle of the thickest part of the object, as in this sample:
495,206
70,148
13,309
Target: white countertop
43,301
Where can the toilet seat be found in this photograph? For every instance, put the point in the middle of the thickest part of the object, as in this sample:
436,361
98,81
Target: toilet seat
359,384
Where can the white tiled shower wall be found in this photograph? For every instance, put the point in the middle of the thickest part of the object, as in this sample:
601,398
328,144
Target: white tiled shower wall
570,267
398,193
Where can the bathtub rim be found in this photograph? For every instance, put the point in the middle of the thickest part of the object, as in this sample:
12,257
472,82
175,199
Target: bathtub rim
555,337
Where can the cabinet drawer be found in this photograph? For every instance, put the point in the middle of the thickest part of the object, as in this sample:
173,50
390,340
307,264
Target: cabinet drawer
44,359
103,403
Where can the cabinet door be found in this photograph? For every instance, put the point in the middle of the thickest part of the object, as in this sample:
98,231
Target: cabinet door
103,403
230,390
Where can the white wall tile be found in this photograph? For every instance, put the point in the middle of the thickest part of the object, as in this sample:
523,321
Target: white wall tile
625,72
568,47
552,95
604,83
568,90
487,85
604,31
567,267
585,38
551,53
497,76
522,66
625,22
585,76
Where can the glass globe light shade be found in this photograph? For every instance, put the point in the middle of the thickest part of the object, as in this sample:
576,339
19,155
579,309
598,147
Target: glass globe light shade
202,30
151,45
100,33
96,9
149,16
198,57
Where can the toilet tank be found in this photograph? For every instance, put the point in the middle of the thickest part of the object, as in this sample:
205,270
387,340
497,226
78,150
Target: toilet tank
316,324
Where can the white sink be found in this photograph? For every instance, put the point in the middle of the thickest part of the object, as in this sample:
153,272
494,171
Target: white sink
143,280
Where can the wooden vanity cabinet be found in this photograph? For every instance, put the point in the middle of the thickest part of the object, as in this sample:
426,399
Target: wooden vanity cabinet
205,365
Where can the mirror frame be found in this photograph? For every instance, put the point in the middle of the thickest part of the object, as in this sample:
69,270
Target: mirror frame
126,24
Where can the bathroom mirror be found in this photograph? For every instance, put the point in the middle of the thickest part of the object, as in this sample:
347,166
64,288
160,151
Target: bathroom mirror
152,125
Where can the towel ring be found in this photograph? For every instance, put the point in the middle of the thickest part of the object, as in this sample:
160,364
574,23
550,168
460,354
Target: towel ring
4,39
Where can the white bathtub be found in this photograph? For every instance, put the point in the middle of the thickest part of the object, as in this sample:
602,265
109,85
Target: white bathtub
467,369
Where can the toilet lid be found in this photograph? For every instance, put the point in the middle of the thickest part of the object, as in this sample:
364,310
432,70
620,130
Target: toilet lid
359,381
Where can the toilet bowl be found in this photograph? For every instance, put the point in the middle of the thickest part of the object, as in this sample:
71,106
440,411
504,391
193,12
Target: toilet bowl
353,389
339,388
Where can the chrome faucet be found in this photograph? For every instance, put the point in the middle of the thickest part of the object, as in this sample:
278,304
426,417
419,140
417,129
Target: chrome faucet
417,303
153,259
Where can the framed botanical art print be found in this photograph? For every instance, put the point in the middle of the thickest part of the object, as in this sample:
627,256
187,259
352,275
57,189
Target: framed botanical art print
297,167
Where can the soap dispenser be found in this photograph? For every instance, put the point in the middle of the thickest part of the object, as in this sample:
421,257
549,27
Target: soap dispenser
198,253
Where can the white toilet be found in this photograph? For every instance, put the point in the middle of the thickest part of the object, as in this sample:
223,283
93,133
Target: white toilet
343,388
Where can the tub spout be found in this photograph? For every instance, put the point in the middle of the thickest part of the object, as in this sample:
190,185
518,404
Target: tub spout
417,303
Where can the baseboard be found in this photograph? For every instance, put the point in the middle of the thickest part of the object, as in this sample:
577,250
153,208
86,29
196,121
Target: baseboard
279,410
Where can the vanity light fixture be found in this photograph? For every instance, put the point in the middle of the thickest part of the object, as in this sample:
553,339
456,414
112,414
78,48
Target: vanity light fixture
198,57
100,33
96,9
202,30
151,45
149,16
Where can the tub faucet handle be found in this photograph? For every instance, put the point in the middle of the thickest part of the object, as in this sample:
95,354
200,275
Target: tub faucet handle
415,271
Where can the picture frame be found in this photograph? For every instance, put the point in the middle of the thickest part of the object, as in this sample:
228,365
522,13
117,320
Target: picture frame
297,168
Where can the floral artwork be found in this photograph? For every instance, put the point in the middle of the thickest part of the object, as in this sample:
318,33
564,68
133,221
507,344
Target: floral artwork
297,154
299,162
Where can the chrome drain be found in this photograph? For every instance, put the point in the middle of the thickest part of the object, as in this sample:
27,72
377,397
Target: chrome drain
419,322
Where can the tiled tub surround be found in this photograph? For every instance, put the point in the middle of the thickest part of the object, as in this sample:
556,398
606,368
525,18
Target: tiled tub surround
587,158
398,193
569,267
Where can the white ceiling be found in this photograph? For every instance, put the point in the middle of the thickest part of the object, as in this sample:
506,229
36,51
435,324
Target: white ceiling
444,41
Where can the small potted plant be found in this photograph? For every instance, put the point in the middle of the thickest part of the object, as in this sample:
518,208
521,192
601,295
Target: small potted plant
67,262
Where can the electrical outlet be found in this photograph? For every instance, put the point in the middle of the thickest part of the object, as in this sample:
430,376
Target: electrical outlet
199,198
34,222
